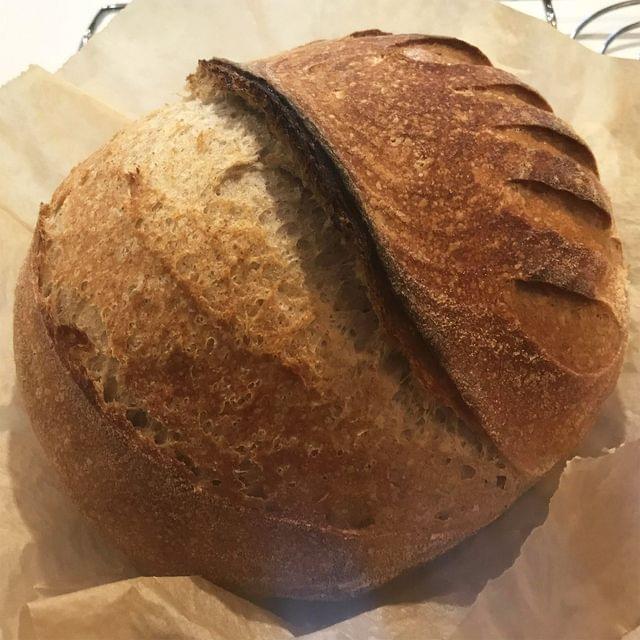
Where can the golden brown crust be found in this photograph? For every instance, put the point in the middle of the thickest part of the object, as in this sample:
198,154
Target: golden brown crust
504,293
135,370
485,210
147,504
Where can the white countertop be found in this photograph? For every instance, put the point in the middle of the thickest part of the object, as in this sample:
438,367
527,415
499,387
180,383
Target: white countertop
47,32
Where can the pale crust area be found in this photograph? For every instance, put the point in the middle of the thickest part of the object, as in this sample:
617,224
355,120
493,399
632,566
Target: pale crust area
485,210
242,358
146,502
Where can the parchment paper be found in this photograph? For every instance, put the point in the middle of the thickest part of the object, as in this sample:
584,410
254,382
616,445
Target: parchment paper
47,126
577,575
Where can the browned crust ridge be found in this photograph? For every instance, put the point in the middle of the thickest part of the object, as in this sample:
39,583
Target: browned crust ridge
482,211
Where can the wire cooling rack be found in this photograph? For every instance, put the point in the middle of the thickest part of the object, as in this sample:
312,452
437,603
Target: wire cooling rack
612,28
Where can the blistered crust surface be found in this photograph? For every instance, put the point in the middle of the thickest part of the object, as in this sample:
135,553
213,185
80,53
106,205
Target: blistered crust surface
208,309
200,349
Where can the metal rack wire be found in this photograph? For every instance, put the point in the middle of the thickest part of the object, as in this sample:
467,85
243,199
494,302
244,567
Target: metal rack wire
577,27
548,8
632,26
98,20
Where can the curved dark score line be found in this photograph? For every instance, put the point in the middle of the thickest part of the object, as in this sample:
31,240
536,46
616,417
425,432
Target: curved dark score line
457,46
513,92
576,330
539,136
559,202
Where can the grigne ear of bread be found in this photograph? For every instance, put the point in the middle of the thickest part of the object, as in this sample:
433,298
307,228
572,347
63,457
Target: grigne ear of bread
324,318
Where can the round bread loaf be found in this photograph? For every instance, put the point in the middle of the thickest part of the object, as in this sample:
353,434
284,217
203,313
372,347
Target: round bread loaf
322,319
